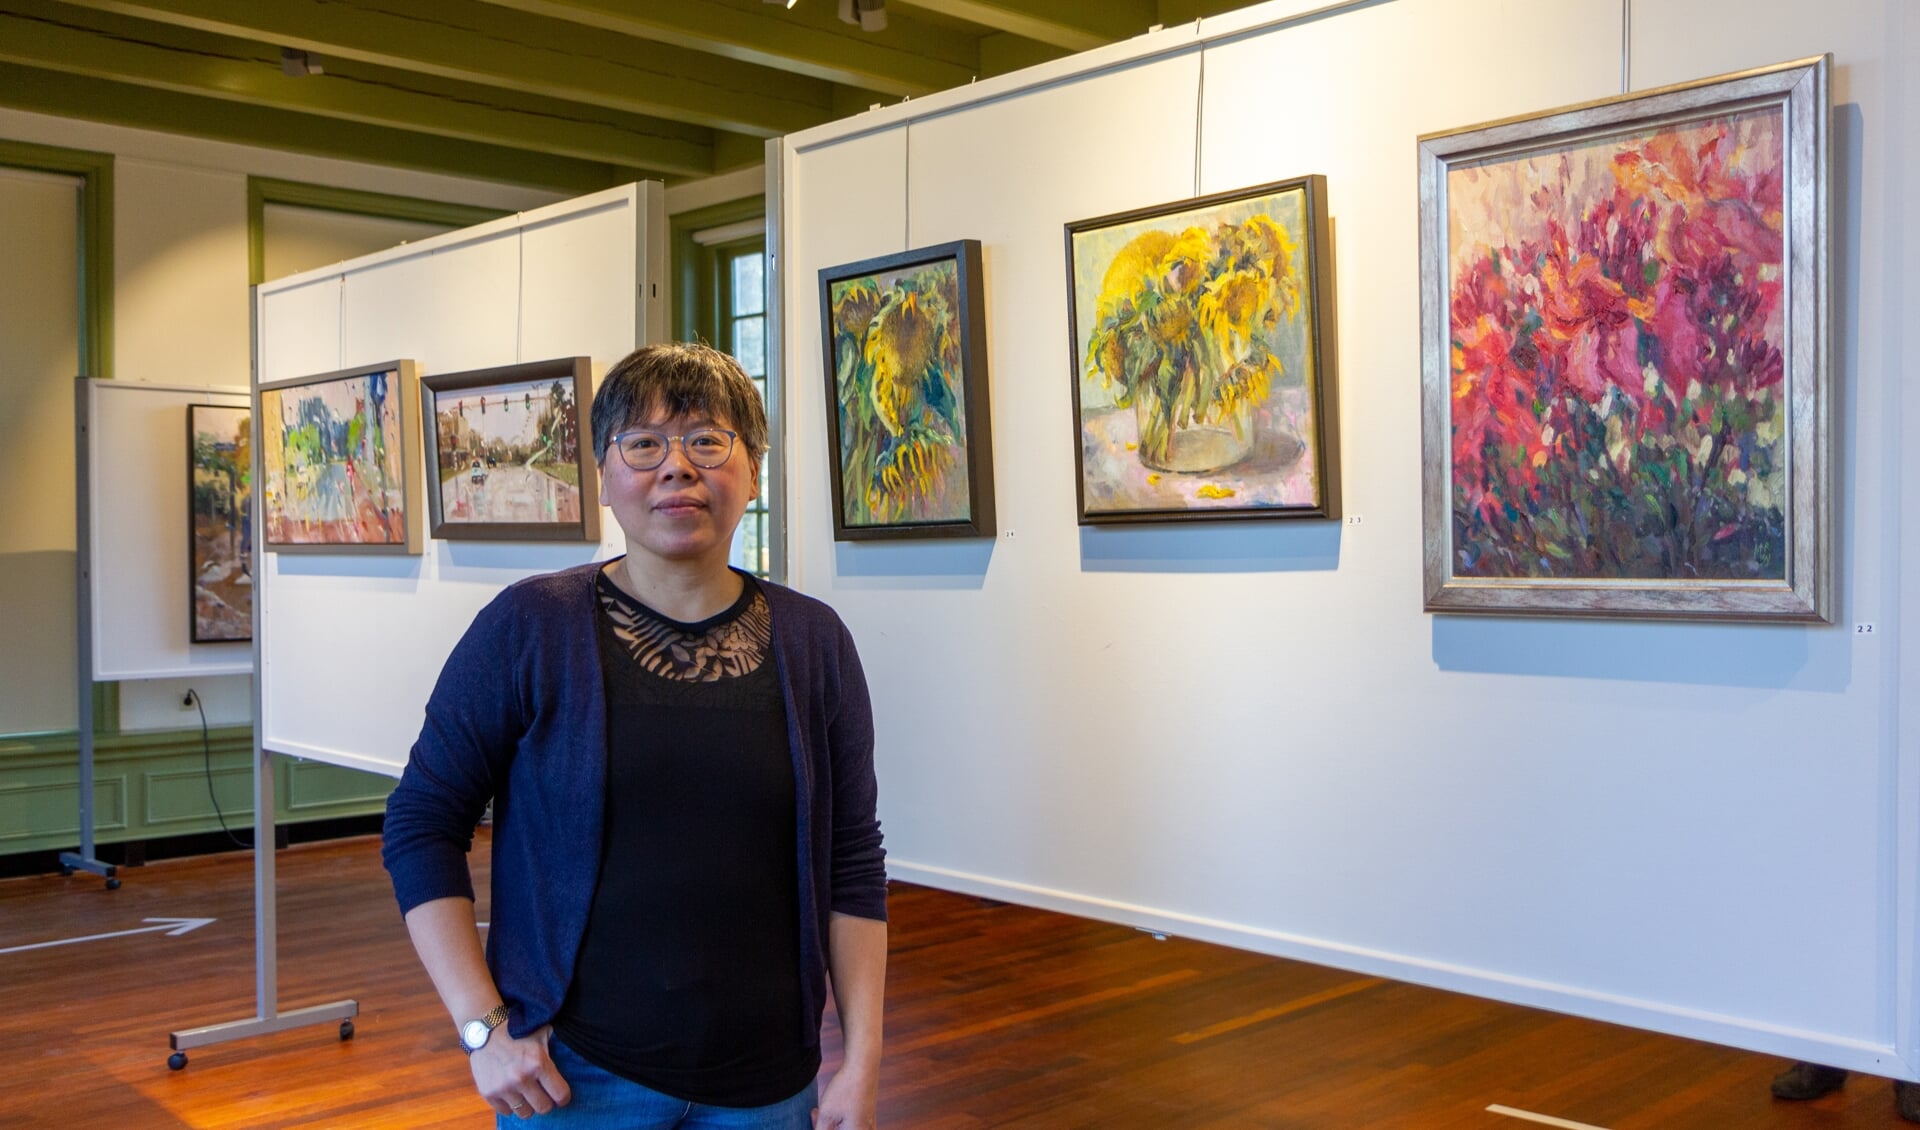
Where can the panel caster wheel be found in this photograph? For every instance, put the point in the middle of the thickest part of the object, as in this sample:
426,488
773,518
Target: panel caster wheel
66,871
176,1061
346,1029
113,884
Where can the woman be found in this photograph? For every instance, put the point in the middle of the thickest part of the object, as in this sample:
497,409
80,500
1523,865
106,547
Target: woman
680,760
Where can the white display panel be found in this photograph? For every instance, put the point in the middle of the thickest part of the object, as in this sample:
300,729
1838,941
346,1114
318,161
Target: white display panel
555,309
459,303
299,331
351,646
138,534
1251,733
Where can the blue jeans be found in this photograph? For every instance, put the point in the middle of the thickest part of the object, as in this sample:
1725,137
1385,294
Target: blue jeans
605,1101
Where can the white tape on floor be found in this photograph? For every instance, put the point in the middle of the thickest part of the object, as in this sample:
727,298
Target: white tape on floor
1543,1119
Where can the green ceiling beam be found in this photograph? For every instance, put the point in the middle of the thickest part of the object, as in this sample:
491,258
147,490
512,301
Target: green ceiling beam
737,151
75,96
1072,24
1173,12
494,46
100,45
911,57
1002,53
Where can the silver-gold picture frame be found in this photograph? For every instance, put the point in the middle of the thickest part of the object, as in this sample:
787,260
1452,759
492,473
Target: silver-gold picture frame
1625,356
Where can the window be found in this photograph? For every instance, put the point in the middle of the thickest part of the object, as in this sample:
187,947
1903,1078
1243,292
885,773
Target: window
720,297
743,307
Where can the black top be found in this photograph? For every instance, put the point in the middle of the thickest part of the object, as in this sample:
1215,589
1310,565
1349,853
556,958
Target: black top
688,978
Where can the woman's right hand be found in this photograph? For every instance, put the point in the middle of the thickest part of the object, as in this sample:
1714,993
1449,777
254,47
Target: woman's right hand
518,1077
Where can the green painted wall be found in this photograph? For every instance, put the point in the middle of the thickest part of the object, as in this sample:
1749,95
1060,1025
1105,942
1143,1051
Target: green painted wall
152,785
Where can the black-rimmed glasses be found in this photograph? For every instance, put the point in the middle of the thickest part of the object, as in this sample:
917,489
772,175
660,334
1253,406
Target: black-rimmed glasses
644,450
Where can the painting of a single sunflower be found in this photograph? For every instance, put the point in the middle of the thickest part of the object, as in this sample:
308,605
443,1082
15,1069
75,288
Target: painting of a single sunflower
907,399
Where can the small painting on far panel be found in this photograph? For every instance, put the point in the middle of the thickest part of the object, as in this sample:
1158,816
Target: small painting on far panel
220,529
1203,373
505,453
908,424
1624,355
338,458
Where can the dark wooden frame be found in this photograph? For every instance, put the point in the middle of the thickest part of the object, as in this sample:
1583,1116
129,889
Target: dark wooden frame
1802,92
193,540
972,330
1317,255
579,370
406,375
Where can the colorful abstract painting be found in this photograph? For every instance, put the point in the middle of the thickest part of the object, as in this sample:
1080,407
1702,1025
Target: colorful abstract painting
505,448
1619,406
219,485
907,351
1202,359
334,461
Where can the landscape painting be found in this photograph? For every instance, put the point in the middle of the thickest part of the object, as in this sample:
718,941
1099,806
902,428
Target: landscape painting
505,447
219,487
336,462
905,343
1620,386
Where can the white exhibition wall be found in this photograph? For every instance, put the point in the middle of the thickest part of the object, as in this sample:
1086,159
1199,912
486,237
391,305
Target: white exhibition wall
137,552
350,646
1250,732
182,316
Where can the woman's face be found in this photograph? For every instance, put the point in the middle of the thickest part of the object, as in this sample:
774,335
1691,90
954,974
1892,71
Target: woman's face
679,512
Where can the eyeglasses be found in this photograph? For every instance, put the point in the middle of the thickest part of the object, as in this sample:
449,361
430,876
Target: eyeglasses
704,447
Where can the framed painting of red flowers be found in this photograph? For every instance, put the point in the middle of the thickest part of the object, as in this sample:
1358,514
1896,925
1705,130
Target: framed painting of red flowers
1624,354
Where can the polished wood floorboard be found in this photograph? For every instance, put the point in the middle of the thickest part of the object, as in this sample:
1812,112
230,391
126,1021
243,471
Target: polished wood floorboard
997,1016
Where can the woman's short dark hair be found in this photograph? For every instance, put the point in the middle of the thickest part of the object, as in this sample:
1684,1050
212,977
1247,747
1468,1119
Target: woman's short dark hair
679,379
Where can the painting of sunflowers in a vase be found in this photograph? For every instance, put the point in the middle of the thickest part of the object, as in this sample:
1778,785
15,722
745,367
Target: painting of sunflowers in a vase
907,406
1203,369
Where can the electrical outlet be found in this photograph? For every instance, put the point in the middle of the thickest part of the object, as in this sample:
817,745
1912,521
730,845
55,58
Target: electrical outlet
186,701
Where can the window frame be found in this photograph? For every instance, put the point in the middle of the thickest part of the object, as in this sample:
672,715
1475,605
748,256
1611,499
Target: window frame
262,191
702,311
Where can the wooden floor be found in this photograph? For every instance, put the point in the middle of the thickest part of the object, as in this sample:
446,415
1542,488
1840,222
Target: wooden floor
997,1016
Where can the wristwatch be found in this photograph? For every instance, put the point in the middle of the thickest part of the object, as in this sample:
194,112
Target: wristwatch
474,1033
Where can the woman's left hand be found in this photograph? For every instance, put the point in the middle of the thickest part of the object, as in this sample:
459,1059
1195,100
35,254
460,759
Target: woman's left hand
850,1102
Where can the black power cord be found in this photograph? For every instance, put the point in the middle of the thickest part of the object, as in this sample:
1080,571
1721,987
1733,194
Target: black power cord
206,752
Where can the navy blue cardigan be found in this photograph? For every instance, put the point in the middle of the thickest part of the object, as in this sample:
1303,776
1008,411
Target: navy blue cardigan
519,717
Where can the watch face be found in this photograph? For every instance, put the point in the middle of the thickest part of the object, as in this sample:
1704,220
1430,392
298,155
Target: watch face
474,1034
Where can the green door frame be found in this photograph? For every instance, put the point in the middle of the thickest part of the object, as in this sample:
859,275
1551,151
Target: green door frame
697,309
95,171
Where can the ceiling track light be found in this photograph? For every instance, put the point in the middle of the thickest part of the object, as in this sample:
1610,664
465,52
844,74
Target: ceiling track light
871,15
295,63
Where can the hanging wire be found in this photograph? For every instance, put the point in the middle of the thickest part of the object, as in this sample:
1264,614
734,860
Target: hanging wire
1626,46
1199,114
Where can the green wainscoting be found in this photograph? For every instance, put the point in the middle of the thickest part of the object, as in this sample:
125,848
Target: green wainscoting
151,786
